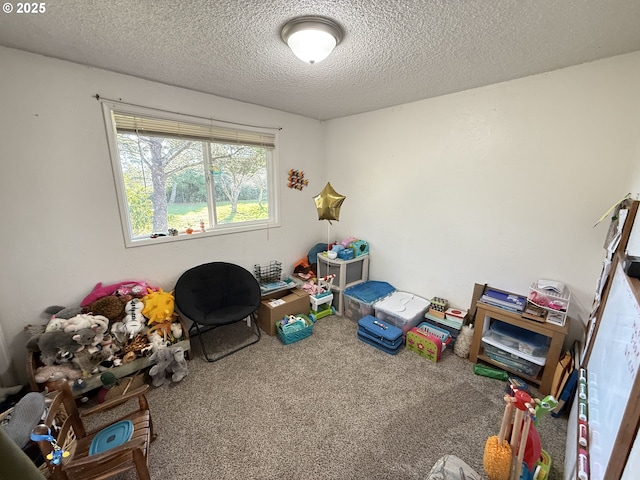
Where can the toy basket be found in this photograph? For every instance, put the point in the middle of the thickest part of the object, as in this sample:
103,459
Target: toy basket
295,331
443,335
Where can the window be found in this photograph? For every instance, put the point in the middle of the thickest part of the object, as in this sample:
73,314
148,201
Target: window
179,177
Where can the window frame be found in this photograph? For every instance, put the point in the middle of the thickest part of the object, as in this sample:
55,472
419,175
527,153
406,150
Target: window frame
110,108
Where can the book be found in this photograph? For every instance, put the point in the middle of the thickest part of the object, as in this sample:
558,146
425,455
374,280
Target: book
509,301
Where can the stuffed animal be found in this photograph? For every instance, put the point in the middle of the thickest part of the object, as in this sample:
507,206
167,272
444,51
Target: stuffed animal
163,358
88,362
132,324
176,329
101,290
163,329
178,367
135,348
134,321
110,306
57,311
84,337
100,326
74,324
54,324
136,290
158,306
156,341
54,344
50,373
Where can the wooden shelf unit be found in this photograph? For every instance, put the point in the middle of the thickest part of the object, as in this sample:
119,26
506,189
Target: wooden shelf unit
485,314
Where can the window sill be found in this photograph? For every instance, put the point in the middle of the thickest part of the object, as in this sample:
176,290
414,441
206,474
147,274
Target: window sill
224,230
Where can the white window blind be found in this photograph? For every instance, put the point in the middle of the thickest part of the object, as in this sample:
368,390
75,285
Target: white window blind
159,127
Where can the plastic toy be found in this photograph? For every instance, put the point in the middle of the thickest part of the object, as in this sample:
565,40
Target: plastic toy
57,454
324,311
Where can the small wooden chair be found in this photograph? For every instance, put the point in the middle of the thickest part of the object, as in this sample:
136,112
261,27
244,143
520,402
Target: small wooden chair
64,423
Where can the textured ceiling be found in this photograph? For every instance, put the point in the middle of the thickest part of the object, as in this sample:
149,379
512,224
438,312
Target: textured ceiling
393,52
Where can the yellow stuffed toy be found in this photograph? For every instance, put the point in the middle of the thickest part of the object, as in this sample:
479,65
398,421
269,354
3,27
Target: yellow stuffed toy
158,306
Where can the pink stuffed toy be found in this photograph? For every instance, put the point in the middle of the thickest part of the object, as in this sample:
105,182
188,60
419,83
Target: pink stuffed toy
101,290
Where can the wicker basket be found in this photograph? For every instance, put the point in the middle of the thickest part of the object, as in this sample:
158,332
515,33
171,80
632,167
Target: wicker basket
290,333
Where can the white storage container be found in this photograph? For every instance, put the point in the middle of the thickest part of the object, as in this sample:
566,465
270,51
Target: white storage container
555,302
402,309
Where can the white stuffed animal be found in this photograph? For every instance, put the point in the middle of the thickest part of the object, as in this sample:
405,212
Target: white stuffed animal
100,326
132,323
78,322
176,330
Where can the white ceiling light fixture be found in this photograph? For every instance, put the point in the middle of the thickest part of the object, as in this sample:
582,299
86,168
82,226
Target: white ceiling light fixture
312,39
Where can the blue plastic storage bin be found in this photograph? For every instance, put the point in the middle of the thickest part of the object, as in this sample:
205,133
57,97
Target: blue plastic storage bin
359,299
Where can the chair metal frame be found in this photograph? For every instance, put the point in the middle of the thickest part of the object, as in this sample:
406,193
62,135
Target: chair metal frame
198,329
203,329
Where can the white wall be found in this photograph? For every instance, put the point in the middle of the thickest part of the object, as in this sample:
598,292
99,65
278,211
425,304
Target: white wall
61,230
498,185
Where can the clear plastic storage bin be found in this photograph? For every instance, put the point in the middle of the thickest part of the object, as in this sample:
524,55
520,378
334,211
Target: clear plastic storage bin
402,309
359,299
511,361
519,339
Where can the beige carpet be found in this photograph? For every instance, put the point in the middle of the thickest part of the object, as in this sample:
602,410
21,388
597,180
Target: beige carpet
327,407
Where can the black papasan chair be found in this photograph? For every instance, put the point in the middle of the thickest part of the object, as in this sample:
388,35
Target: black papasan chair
216,294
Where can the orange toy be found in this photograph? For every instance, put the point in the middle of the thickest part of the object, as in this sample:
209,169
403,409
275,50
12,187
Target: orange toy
163,329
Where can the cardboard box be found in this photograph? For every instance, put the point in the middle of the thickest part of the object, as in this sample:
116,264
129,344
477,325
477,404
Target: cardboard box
289,302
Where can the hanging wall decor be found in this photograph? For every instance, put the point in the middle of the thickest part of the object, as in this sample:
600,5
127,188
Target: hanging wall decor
297,180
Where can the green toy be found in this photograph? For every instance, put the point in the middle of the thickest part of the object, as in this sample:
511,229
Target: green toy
490,372
323,311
